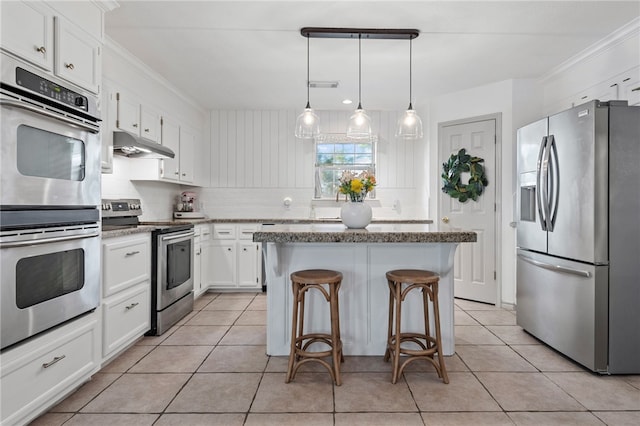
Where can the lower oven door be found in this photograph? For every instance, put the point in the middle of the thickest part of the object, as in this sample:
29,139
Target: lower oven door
175,267
49,276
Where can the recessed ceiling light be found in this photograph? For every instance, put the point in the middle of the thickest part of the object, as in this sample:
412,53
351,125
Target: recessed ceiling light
323,84
347,101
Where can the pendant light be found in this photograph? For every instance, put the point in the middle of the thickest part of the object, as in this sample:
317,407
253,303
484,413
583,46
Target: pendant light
359,124
307,124
409,125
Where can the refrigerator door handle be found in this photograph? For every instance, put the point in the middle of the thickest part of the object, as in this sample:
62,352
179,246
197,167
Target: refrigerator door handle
546,184
556,268
554,183
539,180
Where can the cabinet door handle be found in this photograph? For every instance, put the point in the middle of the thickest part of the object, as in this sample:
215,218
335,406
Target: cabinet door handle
131,306
176,173
41,49
636,89
53,361
244,249
184,174
131,253
69,66
135,124
229,249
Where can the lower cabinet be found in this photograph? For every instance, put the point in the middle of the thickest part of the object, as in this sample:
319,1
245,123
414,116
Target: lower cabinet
201,251
233,260
37,374
126,291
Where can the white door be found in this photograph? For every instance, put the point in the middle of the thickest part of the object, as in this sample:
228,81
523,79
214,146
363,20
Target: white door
475,263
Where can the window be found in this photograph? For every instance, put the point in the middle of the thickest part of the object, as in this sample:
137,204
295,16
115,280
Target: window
335,154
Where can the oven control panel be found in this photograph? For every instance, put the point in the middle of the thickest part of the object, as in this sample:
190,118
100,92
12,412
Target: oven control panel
121,207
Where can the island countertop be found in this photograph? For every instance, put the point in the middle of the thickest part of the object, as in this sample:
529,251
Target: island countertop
374,233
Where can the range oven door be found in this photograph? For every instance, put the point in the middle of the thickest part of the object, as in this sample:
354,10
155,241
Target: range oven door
49,275
175,267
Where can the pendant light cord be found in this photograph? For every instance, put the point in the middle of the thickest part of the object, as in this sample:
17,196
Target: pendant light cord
308,105
359,71
410,71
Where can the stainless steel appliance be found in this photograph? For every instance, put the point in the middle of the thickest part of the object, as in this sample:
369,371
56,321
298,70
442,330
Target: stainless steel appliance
578,235
171,262
50,154
49,192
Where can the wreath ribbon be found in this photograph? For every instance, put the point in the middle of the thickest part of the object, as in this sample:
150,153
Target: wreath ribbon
452,170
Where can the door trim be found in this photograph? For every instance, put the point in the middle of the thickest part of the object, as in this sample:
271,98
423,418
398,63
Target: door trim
497,117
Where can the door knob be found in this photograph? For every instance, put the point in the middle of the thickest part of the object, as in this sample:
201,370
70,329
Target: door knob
445,219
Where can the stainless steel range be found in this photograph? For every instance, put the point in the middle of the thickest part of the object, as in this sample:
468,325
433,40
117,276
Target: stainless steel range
171,262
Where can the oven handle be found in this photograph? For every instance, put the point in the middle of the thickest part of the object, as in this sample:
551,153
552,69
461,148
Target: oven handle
36,110
175,237
47,240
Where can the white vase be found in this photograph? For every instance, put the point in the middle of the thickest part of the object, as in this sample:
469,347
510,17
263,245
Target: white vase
355,214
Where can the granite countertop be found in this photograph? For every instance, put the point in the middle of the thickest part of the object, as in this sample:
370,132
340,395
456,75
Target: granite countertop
374,233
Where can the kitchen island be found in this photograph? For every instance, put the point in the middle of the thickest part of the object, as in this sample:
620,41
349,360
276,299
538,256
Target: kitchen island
363,256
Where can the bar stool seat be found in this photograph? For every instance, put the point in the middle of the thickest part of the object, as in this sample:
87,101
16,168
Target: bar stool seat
413,345
301,282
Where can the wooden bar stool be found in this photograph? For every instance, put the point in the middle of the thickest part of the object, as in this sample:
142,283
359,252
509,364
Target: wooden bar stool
301,282
416,345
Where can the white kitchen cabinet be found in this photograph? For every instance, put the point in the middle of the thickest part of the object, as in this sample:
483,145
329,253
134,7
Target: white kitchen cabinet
170,137
150,123
45,369
630,86
187,154
136,118
126,291
201,248
234,259
68,46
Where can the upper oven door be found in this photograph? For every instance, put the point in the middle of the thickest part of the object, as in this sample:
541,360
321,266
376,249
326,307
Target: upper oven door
47,158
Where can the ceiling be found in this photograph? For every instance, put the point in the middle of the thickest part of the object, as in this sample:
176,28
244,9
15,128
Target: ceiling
251,55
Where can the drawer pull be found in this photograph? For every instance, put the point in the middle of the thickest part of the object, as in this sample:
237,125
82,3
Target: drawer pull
53,361
131,306
131,253
69,66
41,49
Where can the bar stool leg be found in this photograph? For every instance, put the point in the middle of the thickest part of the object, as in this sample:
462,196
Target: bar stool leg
294,328
336,345
436,311
398,336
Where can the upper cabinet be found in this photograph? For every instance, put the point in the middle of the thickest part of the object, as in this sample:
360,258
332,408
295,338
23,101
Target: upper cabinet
66,42
137,118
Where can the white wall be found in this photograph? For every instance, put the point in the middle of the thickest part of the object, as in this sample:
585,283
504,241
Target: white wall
256,160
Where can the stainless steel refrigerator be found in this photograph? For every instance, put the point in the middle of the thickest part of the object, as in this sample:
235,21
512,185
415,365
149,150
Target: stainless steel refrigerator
578,234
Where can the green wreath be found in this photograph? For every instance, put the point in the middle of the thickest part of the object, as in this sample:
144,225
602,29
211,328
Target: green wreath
452,169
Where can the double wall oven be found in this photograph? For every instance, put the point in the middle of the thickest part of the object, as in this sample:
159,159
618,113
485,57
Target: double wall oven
171,261
49,197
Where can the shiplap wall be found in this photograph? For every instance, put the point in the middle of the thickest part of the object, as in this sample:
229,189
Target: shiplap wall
255,156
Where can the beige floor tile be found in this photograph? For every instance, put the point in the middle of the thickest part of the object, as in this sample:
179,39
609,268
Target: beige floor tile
546,359
138,393
633,380
451,363
371,392
202,301
51,419
231,359
492,358
239,295
207,335
527,392
88,391
214,318
463,393
309,392
216,393
186,419
258,304
252,318
245,335
186,318
280,364
463,318
172,359
378,419
467,419
469,305
127,359
527,418
475,335
595,392
228,304
368,364
513,335
156,340
291,419
112,420
494,317
619,418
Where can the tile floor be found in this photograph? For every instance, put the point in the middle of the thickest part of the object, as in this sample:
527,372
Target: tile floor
211,369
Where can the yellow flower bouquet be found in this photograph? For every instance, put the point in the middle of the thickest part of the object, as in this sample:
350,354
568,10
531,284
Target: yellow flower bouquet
356,186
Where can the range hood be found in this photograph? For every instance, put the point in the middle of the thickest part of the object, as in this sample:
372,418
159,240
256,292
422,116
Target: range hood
130,145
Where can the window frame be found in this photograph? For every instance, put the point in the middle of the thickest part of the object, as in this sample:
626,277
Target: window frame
341,138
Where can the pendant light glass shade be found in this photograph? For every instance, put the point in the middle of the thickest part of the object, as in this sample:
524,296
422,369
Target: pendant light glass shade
409,125
359,126
308,123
